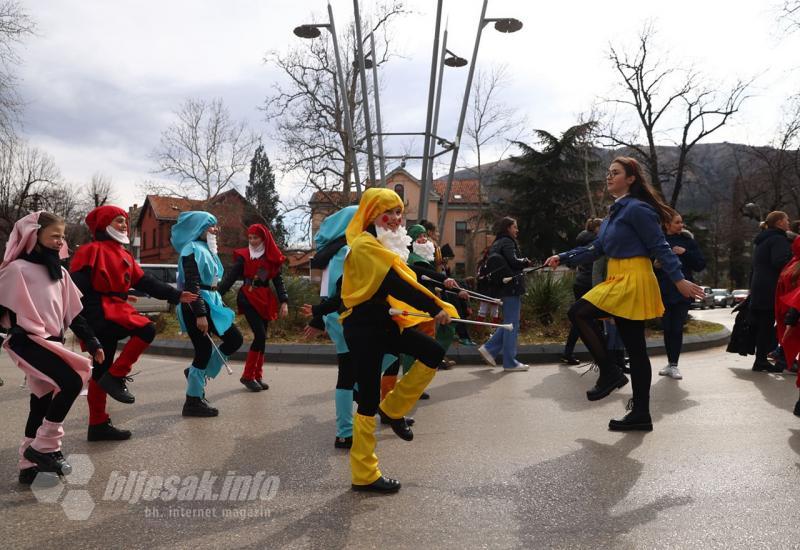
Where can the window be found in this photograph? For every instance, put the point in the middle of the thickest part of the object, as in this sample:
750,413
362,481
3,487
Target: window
154,239
461,269
461,233
400,190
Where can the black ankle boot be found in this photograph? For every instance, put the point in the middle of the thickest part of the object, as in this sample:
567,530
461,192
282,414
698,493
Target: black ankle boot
251,385
48,462
383,485
386,420
27,475
610,379
264,385
115,387
107,432
797,408
423,396
638,419
198,406
619,360
343,442
399,426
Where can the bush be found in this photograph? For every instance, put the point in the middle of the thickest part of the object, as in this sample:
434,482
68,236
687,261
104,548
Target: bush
547,298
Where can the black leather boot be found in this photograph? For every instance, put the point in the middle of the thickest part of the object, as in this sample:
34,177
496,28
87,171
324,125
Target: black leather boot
343,442
49,462
797,408
251,385
115,387
264,385
27,475
107,432
384,485
399,426
610,379
638,419
386,420
198,406
619,359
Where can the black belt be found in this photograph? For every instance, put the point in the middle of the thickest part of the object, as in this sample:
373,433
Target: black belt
206,287
258,283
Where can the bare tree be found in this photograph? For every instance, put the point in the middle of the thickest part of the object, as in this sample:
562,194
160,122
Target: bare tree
789,14
307,108
99,191
204,149
15,26
656,95
492,126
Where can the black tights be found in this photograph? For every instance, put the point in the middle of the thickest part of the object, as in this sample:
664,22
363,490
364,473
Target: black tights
346,377
584,316
53,408
231,339
368,343
109,335
257,324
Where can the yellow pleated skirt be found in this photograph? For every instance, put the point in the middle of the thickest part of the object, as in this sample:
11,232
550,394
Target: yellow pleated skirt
630,290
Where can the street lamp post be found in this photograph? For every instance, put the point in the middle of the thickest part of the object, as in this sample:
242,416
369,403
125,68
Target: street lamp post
362,72
312,31
504,25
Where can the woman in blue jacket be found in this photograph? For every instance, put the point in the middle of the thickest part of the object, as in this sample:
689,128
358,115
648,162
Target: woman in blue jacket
629,236
676,305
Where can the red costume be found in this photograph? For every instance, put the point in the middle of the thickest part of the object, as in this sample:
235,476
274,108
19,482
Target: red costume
255,293
787,295
105,271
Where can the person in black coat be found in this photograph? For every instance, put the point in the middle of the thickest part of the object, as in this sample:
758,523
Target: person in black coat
506,252
580,285
772,252
676,306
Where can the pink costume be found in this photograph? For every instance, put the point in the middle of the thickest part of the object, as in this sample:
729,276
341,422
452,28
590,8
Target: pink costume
43,309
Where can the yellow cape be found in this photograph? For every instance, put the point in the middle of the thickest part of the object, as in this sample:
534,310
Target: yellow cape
369,261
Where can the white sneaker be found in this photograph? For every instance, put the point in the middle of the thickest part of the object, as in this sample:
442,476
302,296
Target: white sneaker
675,373
519,367
487,356
666,371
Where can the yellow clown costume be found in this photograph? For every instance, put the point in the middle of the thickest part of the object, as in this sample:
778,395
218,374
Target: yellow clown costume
375,279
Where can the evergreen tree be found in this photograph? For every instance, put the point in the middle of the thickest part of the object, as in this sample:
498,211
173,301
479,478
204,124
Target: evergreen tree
546,193
261,193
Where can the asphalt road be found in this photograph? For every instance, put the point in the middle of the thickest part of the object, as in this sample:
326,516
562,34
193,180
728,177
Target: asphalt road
499,460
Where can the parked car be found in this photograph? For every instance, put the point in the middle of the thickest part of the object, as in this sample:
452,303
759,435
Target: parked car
707,301
722,297
739,295
167,273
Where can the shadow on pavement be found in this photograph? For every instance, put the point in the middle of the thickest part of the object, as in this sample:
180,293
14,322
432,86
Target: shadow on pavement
778,389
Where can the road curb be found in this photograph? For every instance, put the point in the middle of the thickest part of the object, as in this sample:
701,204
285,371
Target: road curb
325,354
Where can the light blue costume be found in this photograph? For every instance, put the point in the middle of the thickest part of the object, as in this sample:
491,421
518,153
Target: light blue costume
185,234
331,229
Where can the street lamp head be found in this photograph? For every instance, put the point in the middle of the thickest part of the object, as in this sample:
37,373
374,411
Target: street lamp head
455,61
367,62
307,31
508,25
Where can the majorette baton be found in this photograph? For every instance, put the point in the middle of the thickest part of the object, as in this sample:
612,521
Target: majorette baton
224,361
472,294
525,271
394,311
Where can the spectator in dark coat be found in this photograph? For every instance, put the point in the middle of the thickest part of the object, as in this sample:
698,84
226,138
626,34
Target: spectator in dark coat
580,286
676,306
772,252
506,250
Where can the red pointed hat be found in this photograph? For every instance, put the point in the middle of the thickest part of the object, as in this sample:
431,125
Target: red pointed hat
272,253
99,218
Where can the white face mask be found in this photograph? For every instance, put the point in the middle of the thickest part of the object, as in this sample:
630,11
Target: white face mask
396,241
426,251
256,251
119,236
211,241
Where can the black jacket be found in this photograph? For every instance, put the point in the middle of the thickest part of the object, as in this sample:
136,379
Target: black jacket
583,272
772,251
692,260
507,247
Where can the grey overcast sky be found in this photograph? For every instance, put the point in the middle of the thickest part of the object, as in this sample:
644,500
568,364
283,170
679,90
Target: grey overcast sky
102,78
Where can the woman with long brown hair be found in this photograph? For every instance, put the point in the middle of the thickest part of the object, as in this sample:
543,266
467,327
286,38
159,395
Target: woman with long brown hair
629,236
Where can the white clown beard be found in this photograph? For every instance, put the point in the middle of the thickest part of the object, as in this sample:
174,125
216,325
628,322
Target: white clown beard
119,236
211,241
427,251
396,241
256,251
